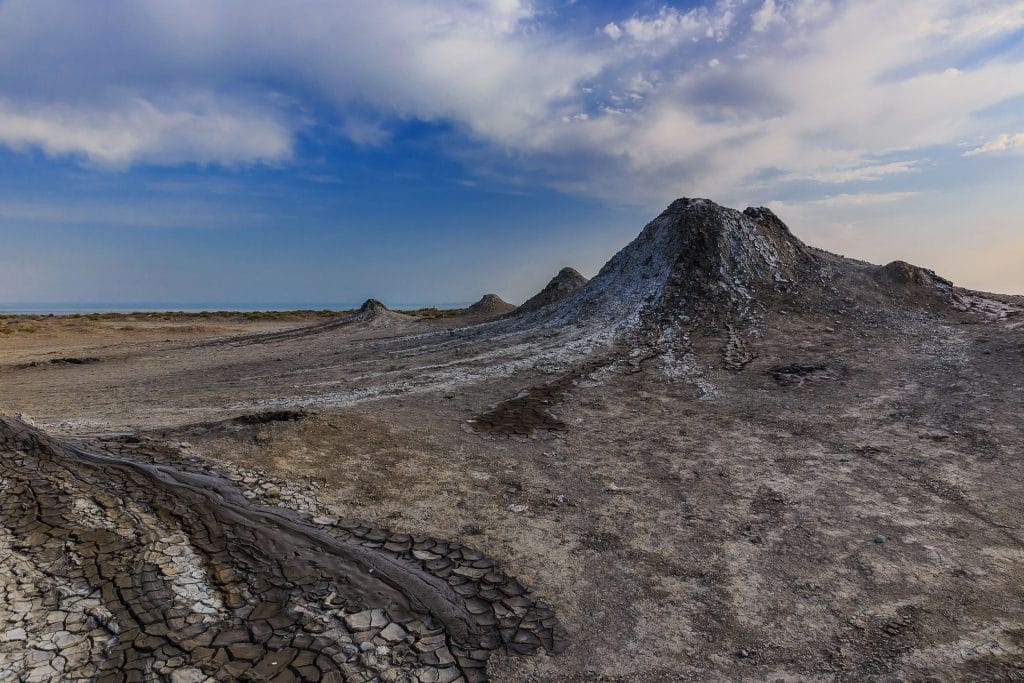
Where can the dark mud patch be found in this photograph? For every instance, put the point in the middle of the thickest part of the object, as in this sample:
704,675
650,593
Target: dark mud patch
172,569
269,416
524,415
796,374
248,424
529,413
61,361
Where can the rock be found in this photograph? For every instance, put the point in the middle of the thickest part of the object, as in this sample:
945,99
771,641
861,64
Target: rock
517,507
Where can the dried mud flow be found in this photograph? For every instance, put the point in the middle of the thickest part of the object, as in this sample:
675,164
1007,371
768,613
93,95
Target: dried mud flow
125,569
728,456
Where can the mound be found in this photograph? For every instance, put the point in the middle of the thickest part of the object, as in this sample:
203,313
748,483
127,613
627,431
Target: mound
695,261
373,306
915,283
562,285
489,306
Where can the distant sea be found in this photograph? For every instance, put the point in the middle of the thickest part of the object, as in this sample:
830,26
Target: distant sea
160,307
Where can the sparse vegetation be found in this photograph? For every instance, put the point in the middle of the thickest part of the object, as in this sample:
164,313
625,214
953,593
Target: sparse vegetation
432,312
273,315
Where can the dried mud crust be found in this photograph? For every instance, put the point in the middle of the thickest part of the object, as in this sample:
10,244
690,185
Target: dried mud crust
528,413
126,569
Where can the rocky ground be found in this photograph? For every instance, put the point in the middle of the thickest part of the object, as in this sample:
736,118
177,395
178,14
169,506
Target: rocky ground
727,457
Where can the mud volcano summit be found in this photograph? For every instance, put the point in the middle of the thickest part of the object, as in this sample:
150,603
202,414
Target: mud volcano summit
727,456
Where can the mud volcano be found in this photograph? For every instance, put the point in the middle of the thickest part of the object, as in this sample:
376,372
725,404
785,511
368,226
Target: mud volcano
728,456
567,281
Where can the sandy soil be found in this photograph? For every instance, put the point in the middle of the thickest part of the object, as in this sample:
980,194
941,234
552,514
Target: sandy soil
27,338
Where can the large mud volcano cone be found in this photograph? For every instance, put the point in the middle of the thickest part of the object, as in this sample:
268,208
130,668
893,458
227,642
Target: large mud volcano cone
697,261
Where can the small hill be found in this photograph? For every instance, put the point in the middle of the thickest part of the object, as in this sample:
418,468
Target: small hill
489,306
373,307
567,281
902,279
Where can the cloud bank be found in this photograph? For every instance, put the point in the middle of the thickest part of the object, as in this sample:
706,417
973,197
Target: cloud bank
722,99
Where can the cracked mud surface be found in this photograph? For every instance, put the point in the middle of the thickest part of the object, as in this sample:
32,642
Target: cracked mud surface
824,485
124,569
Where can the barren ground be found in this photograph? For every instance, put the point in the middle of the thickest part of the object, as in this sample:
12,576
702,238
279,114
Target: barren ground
860,519
842,503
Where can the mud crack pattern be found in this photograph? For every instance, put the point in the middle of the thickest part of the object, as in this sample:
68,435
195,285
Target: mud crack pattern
120,569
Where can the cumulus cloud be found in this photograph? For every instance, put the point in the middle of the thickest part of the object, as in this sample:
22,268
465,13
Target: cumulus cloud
136,130
765,16
710,100
838,85
788,13
474,63
671,24
612,30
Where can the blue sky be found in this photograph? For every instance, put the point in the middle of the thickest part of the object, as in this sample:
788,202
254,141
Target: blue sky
318,151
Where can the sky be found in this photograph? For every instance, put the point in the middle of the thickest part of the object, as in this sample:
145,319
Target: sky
429,152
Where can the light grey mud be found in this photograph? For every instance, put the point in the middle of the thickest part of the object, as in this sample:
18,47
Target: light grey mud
122,569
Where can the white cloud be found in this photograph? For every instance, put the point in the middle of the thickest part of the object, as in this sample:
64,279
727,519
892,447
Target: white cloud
1000,144
868,172
830,88
363,132
794,13
865,198
765,16
612,30
839,85
136,130
476,63
668,23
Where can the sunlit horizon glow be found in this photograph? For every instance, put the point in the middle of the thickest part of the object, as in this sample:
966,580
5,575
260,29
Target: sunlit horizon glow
434,151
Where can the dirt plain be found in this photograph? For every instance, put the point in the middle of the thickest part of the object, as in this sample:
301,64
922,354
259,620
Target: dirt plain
832,493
